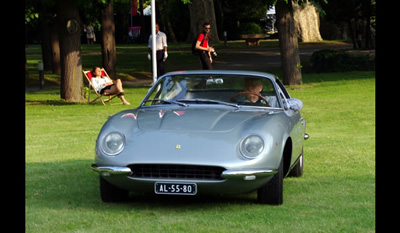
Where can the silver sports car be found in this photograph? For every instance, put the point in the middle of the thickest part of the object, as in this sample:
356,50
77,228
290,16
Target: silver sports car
204,132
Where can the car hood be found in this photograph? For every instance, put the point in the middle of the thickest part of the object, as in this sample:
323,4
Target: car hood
198,135
195,119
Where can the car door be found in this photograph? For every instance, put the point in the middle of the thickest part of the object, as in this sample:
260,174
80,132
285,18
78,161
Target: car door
297,123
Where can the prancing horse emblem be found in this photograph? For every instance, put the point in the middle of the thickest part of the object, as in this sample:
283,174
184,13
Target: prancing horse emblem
178,146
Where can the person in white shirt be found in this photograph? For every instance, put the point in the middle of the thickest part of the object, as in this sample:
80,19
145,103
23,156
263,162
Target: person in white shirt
106,86
161,50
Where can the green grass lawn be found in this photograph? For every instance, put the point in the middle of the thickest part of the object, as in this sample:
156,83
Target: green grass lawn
336,193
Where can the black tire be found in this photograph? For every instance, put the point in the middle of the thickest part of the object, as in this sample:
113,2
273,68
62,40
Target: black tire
110,193
297,170
272,192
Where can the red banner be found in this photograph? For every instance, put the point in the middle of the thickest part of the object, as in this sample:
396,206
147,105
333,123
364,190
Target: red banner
134,7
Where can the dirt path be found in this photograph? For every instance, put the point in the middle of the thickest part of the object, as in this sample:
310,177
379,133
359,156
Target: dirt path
264,59
251,58
261,59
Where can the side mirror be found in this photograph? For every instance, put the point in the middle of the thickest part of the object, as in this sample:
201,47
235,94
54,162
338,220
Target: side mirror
295,104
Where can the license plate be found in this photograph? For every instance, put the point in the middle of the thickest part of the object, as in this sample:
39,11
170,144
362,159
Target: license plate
175,188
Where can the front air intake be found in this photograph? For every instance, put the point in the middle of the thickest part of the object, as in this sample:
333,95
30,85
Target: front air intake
171,171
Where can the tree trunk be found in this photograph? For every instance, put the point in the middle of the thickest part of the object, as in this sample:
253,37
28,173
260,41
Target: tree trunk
202,11
45,40
108,49
288,43
306,21
55,47
353,38
368,38
26,69
70,50
168,21
143,31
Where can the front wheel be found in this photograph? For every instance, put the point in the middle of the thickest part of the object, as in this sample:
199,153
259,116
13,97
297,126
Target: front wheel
272,192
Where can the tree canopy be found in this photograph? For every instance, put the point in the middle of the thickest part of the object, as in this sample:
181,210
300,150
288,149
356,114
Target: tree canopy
66,18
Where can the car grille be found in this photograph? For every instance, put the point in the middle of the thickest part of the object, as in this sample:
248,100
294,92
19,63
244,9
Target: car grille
168,171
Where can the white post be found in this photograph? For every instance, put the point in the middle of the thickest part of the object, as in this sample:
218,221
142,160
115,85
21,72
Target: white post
153,43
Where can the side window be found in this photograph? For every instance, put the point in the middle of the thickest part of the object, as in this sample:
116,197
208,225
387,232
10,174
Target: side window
283,94
283,89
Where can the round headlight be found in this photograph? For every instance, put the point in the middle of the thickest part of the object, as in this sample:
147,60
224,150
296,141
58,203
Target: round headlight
252,146
113,143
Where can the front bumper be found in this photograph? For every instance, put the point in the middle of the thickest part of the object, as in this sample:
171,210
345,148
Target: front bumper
247,174
227,174
111,170
233,181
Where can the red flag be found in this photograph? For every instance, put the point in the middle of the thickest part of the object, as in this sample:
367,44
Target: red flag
134,7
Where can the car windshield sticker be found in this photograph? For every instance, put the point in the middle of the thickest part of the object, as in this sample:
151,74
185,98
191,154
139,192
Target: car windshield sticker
179,113
130,115
161,113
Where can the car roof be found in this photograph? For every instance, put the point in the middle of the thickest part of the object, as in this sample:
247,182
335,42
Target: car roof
222,72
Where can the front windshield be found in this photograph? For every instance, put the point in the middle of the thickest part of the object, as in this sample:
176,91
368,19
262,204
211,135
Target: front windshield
232,89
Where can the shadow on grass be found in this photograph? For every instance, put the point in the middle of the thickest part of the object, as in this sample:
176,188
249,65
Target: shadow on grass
312,78
178,201
52,102
72,183
51,97
309,78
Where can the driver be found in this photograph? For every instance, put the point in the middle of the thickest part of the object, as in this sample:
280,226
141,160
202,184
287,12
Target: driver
252,93
254,87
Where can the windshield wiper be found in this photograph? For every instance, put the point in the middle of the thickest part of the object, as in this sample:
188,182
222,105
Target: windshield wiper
207,101
168,102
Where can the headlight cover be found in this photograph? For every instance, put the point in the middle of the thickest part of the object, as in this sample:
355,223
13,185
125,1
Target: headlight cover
251,146
113,143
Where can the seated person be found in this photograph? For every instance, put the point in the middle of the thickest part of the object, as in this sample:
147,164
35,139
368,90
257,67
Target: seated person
252,94
106,86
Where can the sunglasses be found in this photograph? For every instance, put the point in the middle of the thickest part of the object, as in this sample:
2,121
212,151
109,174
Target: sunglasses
208,28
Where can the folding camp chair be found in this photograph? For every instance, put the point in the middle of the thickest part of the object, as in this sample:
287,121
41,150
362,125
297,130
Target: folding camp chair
89,76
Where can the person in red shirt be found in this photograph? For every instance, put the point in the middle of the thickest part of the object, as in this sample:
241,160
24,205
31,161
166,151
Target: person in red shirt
205,49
